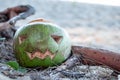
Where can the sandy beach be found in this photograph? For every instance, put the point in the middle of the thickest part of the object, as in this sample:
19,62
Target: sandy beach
94,25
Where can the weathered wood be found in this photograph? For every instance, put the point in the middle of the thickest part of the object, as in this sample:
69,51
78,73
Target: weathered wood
22,11
4,26
98,56
12,15
69,63
23,14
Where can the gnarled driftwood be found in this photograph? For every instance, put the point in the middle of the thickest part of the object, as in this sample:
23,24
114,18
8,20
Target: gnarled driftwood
9,17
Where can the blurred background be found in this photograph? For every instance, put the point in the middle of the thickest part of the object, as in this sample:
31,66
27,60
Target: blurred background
88,22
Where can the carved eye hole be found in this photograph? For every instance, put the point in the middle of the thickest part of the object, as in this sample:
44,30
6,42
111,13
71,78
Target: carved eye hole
22,38
57,38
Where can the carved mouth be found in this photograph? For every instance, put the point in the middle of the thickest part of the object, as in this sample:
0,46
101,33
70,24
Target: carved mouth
40,55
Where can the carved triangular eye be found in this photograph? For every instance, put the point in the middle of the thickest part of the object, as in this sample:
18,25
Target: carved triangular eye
57,38
22,38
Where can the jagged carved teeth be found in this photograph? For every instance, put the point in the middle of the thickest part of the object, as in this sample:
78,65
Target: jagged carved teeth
40,55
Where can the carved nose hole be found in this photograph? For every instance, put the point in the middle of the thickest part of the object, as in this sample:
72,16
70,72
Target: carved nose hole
57,38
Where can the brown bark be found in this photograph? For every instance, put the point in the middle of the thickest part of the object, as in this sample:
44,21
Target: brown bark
98,56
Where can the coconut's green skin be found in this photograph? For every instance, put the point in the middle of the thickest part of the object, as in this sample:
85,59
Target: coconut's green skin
38,37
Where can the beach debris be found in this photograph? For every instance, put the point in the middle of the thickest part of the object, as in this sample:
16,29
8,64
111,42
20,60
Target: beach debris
82,55
10,16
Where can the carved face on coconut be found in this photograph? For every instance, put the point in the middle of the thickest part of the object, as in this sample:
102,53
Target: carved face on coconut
41,44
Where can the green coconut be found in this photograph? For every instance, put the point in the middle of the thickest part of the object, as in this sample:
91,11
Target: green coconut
41,44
